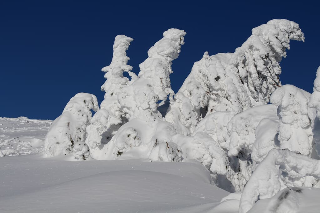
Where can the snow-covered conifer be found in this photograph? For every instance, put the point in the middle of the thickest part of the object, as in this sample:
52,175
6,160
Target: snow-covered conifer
256,62
68,132
295,130
134,99
111,116
234,82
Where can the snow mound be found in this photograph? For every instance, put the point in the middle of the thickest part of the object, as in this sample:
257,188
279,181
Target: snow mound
48,185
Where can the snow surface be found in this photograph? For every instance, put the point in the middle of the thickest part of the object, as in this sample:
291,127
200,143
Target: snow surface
36,184
22,136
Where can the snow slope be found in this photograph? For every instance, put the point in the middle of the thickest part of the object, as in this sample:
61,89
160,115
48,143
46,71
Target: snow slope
31,184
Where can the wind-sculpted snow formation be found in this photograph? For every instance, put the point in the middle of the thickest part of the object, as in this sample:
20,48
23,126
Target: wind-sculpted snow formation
221,116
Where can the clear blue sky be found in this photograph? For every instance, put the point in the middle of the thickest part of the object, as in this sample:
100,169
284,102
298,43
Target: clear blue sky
51,50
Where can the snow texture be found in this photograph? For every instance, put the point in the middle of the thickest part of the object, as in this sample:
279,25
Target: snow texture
32,184
22,136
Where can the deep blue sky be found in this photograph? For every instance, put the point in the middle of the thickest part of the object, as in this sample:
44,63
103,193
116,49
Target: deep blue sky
51,50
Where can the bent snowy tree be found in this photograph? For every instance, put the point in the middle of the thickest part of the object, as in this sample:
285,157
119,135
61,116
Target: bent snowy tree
67,133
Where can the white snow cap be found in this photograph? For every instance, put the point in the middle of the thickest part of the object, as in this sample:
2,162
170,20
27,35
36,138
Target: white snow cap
119,60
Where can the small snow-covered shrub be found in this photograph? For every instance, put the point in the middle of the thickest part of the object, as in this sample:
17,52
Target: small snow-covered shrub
68,132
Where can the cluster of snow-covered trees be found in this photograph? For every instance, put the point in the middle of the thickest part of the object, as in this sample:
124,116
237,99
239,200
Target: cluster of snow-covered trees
231,114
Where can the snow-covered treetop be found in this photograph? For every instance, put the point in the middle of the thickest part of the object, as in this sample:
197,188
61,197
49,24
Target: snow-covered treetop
82,101
157,67
169,46
114,72
257,60
119,59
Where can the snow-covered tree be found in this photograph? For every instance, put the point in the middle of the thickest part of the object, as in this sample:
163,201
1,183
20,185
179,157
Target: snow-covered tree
135,99
111,115
67,133
295,130
234,82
